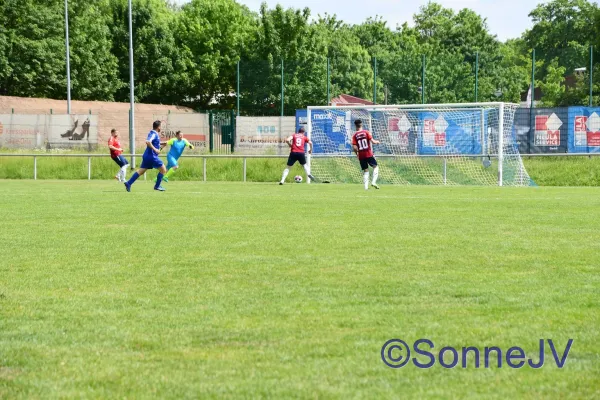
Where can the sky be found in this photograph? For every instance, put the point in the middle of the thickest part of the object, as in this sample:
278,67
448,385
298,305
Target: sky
506,19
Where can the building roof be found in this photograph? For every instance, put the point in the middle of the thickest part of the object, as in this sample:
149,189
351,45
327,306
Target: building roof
348,100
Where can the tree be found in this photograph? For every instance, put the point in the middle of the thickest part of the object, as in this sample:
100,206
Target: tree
33,49
93,67
213,34
563,29
351,71
159,67
553,87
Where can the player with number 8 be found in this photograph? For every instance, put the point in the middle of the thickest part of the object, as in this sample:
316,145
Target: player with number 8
362,144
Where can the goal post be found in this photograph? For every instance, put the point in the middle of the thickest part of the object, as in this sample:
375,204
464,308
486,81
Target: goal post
436,144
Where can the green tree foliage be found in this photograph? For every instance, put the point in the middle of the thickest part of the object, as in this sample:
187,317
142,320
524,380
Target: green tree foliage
188,54
93,66
33,49
563,29
212,35
553,85
158,61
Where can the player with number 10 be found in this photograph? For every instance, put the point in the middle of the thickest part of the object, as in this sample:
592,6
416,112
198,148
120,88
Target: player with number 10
362,144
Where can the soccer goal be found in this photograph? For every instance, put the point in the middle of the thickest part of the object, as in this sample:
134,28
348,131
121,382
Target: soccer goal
435,144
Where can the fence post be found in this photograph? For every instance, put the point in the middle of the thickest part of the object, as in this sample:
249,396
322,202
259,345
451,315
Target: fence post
591,75
204,168
445,170
374,80
89,168
531,116
282,87
244,169
328,79
34,168
423,79
476,76
232,124
210,131
237,101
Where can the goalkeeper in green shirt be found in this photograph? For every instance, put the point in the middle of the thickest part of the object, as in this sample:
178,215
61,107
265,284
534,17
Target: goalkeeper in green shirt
178,144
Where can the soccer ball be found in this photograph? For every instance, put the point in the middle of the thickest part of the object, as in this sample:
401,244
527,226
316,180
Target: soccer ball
298,179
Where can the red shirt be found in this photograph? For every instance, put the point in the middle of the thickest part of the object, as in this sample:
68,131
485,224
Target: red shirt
298,142
362,139
113,141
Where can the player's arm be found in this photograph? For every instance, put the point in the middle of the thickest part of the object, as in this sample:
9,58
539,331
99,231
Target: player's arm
374,141
188,144
149,144
354,145
289,141
310,146
113,148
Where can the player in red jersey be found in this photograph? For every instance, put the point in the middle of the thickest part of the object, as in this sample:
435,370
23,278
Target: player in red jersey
116,154
362,144
297,142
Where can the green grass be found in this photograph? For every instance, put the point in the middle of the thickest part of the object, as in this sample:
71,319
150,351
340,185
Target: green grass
555,171
231,290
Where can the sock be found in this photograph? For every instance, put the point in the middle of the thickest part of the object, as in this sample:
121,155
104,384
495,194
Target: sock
285,174
306,170
366,179
158,179
375,175
123,172
133,178
170,172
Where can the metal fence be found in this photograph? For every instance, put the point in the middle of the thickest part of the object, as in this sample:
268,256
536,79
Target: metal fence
243,172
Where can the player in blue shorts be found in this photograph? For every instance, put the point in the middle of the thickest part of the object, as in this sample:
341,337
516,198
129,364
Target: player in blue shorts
150,159
178,144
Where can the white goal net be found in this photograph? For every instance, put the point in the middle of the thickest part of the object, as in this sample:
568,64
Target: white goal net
439,144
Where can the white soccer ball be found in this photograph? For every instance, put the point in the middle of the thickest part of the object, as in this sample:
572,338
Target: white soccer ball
298,179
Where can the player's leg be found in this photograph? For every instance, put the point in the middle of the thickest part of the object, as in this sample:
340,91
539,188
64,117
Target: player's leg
162,170
172,166
365,168
373,163
306,169
290,163
143,168
123,171
119,162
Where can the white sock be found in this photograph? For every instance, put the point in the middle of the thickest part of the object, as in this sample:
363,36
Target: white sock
375,175
285,174
123,172
306,170
366,179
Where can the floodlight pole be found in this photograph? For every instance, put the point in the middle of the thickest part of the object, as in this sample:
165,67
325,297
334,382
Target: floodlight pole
68,57
423,80
328,79
131,93
237,106
591,75
374,80
476,75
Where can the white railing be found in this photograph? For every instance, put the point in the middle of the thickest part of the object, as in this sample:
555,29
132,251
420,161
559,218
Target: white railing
246,157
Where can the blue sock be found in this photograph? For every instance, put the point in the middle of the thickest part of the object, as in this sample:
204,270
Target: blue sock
158,179
133,178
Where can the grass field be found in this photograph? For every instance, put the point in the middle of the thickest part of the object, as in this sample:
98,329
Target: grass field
231,290
553,171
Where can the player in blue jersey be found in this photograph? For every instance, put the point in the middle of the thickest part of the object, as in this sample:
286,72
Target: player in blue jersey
178,144
150,159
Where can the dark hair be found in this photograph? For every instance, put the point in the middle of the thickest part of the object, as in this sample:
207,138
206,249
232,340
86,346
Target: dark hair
113,130
358,123
301,130
177,133
155,124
